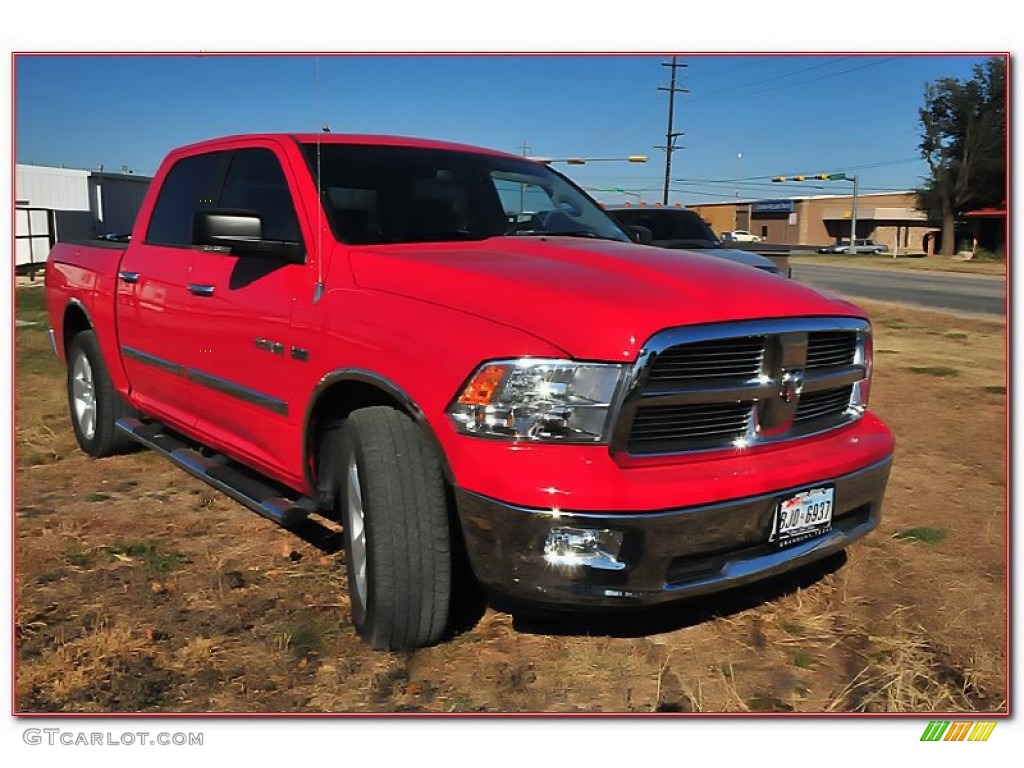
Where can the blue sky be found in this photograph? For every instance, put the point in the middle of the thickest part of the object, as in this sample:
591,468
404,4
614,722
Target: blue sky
784,114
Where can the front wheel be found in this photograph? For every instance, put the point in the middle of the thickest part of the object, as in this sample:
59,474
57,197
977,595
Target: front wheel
390,494
93,402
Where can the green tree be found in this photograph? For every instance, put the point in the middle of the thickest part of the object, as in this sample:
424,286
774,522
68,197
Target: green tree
963,140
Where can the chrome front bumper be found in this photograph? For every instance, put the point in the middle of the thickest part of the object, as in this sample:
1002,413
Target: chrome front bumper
667,555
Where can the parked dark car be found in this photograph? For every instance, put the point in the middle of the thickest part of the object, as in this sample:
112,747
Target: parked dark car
685,229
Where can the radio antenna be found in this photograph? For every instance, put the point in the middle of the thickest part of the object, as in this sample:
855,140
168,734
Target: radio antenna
319,291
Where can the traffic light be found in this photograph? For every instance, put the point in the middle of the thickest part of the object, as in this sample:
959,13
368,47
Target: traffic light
822,176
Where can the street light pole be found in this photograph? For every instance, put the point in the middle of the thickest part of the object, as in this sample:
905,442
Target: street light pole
739,159
853,217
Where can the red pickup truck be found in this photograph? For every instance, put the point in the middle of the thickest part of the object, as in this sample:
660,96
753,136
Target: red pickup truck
459,356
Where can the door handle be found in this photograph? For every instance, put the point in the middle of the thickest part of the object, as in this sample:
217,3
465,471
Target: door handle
200,290
129,277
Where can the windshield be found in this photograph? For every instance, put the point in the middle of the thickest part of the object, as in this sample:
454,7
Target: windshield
386,194
671,226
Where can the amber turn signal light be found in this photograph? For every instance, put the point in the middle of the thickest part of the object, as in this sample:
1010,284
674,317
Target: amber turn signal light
483,385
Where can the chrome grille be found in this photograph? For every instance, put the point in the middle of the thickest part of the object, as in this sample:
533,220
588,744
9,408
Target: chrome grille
725,359
739,384
826,349
820,405
659,429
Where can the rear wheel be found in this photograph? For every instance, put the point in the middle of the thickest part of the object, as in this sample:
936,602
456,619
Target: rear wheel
390,495
93,402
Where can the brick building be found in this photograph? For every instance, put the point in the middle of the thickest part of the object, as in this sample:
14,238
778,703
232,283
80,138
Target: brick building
888,218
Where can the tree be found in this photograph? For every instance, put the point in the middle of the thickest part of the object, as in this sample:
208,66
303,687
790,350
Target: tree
963,140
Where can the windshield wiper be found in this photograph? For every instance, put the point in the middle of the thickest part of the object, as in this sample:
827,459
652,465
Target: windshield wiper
455,234
563,233
426,237
693,242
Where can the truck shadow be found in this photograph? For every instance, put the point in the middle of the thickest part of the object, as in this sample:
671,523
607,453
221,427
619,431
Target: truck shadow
640,622
313,532
469,603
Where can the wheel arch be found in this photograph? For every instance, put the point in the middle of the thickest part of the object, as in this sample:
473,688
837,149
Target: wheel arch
343,391
76,319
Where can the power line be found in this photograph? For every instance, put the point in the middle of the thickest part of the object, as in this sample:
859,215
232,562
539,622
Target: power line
842,166
644,111
805,82
861,167
752,61
632,117
741,185
784,75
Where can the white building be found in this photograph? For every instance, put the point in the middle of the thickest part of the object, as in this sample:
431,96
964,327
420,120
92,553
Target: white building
60,204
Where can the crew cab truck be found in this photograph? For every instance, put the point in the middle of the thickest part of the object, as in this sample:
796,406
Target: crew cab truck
453,350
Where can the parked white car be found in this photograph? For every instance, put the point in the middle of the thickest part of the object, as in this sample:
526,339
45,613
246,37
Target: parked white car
859,246
741,236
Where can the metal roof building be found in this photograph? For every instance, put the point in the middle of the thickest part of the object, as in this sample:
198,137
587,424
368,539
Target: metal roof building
55,204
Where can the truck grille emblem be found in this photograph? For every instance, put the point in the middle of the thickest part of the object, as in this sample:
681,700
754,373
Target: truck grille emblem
791,386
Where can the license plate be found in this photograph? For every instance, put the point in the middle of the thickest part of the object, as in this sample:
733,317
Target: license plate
803,516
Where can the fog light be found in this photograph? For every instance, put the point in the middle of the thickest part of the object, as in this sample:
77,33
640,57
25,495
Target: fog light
592,547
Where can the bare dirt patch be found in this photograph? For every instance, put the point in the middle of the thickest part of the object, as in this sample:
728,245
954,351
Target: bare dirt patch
140,589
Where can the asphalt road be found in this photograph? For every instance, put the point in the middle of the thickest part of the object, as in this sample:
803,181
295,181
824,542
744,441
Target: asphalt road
974,294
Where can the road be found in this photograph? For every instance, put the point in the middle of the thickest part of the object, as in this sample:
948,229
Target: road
973,294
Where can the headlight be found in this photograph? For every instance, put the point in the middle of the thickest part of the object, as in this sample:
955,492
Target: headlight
863,356
534,399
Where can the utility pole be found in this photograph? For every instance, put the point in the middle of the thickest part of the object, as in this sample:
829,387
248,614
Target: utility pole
522,187
670,135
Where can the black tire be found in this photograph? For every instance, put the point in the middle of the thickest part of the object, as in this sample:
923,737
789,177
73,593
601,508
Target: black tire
88,382
401,598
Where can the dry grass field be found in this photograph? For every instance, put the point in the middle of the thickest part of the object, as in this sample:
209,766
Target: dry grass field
140,589
916,262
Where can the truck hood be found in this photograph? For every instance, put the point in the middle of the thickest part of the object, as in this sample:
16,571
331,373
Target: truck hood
594,299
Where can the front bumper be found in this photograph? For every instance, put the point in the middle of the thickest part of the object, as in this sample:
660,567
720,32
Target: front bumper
667,554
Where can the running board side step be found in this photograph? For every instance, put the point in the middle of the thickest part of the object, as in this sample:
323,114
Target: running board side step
222,475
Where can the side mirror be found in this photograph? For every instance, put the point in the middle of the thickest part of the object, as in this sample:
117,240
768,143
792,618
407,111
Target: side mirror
240,233
640,234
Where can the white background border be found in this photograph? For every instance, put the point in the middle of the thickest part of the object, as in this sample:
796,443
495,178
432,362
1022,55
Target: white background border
527,25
